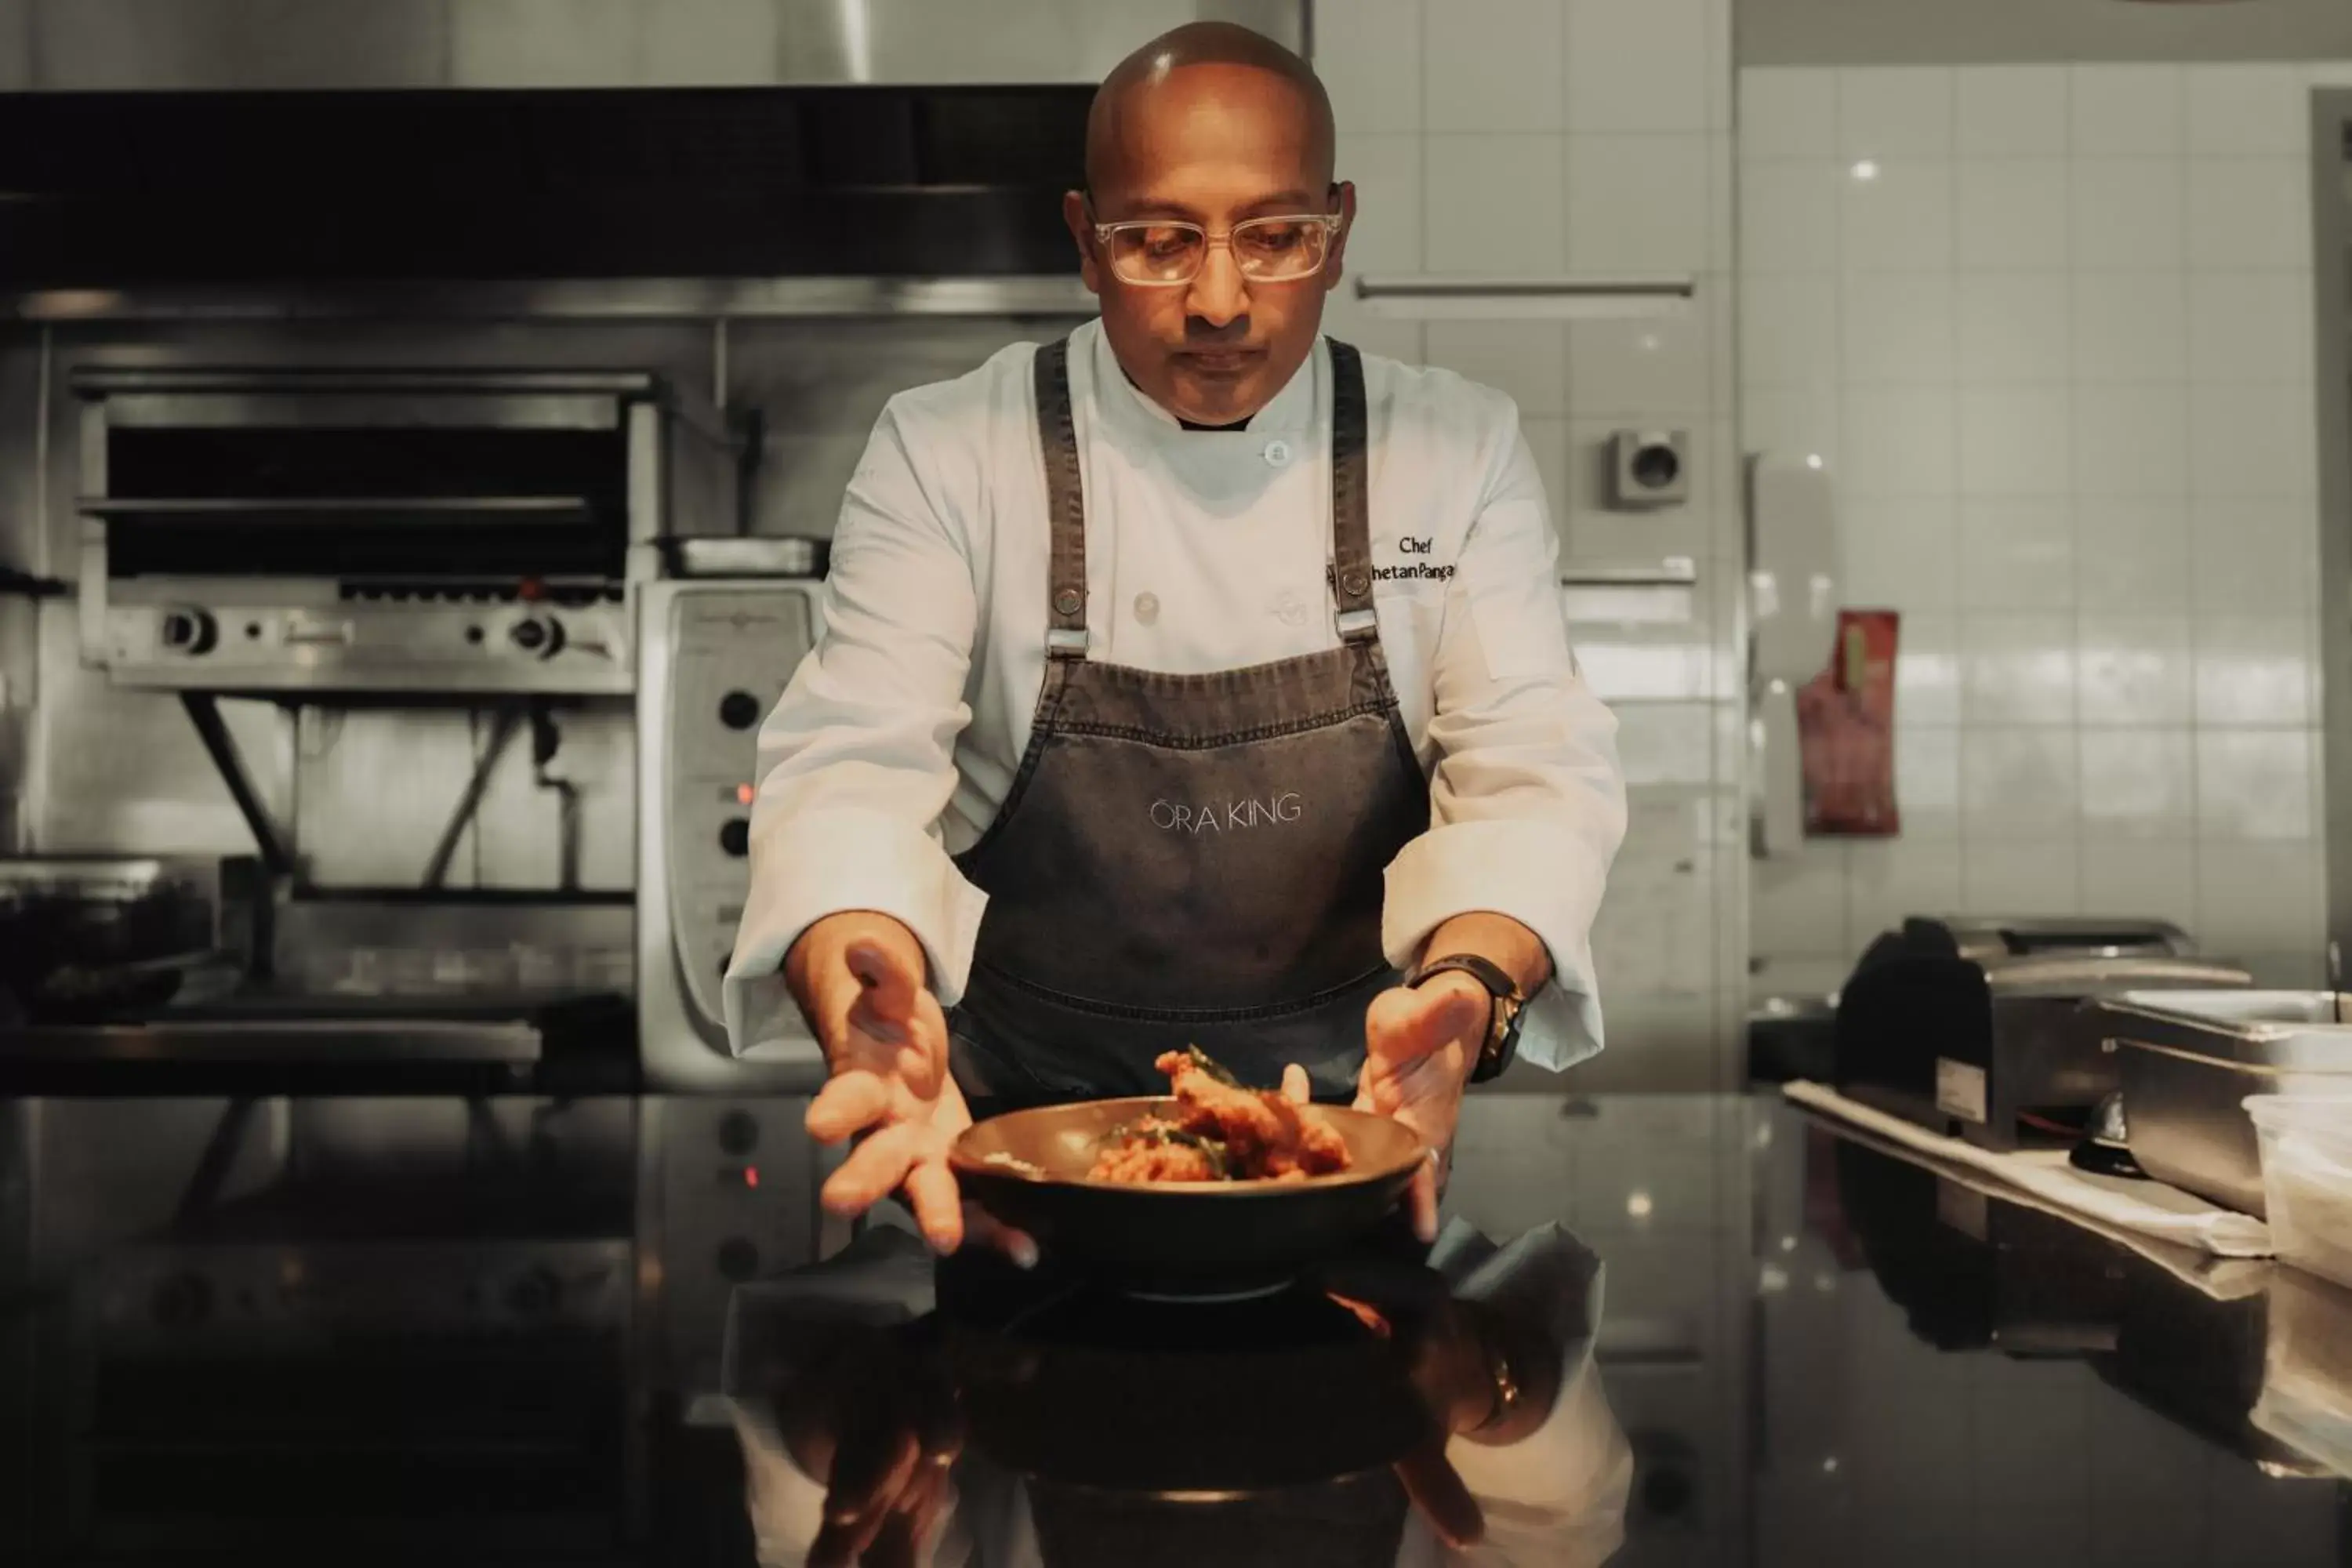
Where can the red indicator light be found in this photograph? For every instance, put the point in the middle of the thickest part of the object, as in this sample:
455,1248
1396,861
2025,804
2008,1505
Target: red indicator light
751,1176
745,793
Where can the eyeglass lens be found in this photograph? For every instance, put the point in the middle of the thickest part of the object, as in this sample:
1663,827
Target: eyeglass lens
1265,251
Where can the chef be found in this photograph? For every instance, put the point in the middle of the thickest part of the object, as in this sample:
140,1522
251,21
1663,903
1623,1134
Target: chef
1192,680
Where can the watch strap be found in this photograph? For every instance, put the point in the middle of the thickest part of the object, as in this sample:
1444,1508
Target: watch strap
1502,1041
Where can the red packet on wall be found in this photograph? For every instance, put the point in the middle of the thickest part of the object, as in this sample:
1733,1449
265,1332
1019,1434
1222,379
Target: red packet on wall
1845,729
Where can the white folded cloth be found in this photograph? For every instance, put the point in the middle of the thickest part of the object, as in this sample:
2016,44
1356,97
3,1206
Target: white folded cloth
2109,1205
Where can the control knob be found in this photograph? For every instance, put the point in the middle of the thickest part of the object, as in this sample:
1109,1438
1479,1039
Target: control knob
540,635
735,836
739,711
188,630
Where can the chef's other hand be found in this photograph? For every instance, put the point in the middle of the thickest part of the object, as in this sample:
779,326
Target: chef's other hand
1437,1349
858,978
875,1420
1419,1043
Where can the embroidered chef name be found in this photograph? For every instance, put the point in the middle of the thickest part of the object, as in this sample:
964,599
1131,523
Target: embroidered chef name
1416,567
1230,816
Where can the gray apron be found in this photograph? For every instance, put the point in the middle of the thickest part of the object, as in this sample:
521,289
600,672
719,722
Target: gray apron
1189,859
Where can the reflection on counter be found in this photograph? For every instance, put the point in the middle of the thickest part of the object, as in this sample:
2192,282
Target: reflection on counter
1384,1411
500,1328
1959,1378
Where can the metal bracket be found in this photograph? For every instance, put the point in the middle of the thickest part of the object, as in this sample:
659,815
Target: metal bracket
203,712
506,721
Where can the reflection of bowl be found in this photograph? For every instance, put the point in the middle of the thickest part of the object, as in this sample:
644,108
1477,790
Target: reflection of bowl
1028,1169
1169,1400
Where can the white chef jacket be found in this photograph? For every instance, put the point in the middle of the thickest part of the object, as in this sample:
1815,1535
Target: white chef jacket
899,736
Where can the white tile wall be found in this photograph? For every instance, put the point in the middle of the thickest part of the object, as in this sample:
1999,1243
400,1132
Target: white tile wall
1469,83
1594,136
2052,327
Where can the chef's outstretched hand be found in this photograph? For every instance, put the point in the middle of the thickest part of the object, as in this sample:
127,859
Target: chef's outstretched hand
1419,1043
859,978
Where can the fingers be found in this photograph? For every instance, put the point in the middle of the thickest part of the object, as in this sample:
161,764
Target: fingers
1436,1488
834,993
985,1229
939,1208
1398,1292
1295,1087
866,1482
874,1169
1387,1087
907,1526
868,1476
923,1060
851,1101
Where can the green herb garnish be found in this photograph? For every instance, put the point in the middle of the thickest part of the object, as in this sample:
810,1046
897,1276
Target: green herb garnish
1213,1068
1214,1149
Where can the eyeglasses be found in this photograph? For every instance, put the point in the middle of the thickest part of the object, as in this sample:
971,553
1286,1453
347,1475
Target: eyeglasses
1158,251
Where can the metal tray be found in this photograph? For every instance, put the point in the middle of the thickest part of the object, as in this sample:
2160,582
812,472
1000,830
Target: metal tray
2190,1058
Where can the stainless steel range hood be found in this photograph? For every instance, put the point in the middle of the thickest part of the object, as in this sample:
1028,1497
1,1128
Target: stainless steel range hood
908,143
920,42
228,46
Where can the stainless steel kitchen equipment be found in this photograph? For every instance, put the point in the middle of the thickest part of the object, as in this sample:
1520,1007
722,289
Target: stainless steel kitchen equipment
1973,1024
715,653
413,531
419,568
80,934
2187,1059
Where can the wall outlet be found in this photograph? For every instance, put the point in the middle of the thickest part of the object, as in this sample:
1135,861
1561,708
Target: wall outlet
1649,468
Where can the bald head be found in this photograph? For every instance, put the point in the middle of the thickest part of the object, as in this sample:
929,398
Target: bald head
1198,131
1151,96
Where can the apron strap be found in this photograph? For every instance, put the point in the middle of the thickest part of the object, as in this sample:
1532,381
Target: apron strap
1351,526
1065,505
1351,532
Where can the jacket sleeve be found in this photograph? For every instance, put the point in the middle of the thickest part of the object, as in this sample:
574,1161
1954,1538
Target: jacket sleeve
1526,800
857,761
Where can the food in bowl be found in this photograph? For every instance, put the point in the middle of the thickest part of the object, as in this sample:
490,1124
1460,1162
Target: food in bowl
1216,1131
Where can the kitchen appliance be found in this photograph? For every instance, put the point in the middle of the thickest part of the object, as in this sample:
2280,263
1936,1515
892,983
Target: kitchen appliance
418,531
1972,1026
2189,1059
80,934
716,652
419,568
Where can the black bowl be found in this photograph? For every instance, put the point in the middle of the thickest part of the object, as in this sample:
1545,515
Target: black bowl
1028,1169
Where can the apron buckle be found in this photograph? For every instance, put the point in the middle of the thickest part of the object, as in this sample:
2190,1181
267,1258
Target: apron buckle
1065,643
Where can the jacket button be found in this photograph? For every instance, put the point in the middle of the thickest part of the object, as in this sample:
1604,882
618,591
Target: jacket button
1067,602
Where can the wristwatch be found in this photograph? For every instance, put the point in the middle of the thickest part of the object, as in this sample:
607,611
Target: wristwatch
1502,1041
